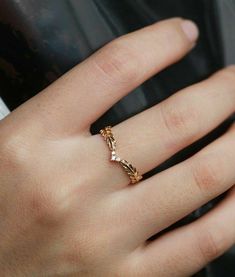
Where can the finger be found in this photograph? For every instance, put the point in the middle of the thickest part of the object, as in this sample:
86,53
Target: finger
165,198
79,97
151,137
186,250
154,135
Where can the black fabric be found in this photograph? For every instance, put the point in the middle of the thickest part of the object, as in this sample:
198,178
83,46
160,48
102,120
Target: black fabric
40,40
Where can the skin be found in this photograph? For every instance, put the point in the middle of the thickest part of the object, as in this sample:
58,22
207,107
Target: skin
66,210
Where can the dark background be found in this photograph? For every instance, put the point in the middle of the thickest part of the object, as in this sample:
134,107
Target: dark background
40,40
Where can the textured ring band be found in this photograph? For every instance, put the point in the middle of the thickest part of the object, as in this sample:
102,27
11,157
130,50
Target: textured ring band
128,168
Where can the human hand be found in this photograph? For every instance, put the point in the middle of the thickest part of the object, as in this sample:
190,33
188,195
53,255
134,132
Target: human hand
67,211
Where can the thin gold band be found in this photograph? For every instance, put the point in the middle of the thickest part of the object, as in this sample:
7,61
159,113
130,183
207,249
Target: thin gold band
128,168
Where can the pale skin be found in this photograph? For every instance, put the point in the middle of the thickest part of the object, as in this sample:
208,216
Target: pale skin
66,210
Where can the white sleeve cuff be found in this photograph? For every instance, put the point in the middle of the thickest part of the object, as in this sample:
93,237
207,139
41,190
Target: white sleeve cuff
4,111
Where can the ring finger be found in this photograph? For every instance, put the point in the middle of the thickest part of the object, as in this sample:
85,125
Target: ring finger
151,137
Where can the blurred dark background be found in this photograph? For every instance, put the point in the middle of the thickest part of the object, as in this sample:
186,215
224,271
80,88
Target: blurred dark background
41,40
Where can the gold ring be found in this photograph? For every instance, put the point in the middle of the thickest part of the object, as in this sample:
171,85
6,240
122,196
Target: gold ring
128,168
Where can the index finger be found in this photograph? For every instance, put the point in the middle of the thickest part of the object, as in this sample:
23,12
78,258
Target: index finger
79,97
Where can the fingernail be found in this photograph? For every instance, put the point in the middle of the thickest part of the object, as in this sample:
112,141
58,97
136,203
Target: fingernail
190,29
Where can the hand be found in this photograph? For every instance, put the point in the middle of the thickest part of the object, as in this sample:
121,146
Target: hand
66,210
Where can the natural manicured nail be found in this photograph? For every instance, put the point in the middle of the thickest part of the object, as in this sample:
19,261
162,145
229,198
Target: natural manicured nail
190,29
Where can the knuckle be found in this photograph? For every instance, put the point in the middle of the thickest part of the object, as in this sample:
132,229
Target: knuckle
134,267
77,254
207,173
228,75
117,62
85,249
14,150
45,206
180,122
209,246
